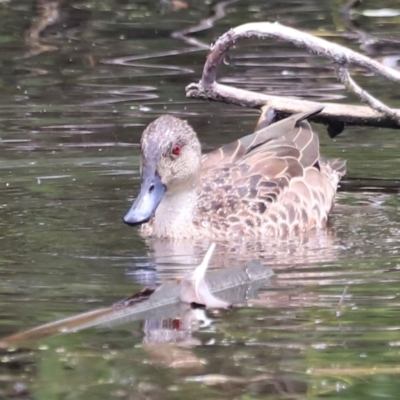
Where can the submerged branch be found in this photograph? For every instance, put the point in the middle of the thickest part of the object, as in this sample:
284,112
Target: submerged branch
380,115
206,23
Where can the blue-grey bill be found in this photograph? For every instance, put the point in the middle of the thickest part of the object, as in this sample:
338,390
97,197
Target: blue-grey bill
151,193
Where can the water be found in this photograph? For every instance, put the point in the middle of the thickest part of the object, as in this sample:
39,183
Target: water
73,104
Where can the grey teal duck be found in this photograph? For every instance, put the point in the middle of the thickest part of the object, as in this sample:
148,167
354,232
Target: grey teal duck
272,183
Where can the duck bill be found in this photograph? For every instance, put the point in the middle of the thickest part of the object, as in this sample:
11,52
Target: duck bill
151,193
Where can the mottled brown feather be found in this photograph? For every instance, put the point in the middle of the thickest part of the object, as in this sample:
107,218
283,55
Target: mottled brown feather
275,156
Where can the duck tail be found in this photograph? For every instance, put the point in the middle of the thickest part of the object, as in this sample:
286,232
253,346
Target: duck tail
302,116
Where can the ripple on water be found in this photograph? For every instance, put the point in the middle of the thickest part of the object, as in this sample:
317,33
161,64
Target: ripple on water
71,119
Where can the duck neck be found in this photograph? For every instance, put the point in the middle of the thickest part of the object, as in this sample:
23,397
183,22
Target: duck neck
174,215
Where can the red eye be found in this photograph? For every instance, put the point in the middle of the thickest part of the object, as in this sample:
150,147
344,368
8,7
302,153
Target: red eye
176,150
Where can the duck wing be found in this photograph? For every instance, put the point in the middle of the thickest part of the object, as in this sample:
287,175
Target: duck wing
284,129
271,175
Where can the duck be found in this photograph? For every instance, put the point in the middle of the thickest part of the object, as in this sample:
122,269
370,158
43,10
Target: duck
271,183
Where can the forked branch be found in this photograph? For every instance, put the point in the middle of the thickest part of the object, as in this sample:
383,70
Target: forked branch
378,115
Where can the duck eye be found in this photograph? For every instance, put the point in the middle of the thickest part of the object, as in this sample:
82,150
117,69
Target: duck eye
176,149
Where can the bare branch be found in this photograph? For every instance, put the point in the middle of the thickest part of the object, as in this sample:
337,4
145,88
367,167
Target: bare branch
363,95
209,89
261,30
349,114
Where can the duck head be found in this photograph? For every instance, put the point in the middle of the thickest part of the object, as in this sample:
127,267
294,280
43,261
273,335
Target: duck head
170,164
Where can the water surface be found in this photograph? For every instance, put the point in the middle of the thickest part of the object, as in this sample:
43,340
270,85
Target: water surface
74,100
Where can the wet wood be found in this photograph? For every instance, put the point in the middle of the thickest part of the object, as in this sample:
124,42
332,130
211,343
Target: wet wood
377,114
233,285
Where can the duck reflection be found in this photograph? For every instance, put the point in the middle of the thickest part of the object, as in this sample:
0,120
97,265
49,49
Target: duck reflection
171,259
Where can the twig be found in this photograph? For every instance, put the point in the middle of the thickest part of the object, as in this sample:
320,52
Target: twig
209,89
344,77
341,301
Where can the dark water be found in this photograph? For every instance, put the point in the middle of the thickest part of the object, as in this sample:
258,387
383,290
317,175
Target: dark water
74,99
